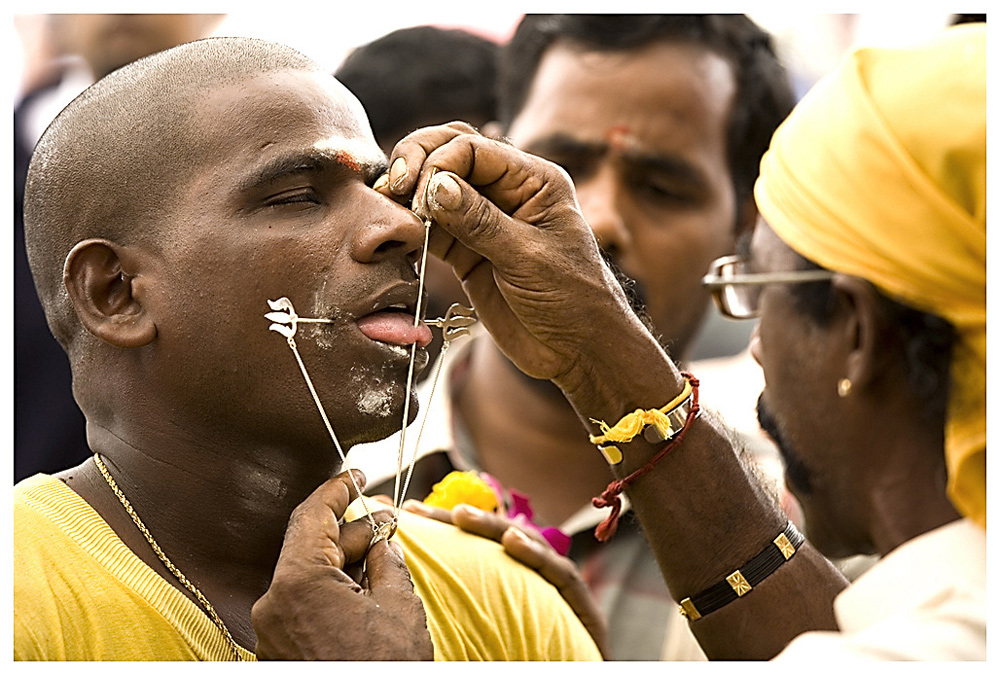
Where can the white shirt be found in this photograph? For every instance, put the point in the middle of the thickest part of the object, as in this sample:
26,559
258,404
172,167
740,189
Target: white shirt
924,601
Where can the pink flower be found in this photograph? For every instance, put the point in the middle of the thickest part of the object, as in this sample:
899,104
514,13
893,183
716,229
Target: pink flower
521,513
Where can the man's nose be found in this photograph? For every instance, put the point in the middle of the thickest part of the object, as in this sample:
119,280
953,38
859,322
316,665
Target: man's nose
389,230
755,343
600,197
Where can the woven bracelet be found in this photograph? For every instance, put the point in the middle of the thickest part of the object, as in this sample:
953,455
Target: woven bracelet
746,578
612,494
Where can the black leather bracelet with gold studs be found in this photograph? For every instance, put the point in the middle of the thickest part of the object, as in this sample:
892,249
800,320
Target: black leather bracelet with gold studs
746,578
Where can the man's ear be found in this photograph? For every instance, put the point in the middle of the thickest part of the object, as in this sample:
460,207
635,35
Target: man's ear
100,279
861,328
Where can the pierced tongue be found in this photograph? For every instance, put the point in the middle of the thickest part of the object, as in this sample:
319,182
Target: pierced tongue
394,328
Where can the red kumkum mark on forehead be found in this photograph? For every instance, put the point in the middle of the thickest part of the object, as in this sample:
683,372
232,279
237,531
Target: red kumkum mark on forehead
621,139
345,158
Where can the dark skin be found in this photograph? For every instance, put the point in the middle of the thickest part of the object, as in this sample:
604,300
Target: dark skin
663,190
503,216
855,502
216,459
217,490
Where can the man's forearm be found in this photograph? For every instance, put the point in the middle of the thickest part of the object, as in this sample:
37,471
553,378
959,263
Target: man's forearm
702,509
510,227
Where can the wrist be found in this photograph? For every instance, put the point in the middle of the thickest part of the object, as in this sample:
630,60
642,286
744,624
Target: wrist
619,372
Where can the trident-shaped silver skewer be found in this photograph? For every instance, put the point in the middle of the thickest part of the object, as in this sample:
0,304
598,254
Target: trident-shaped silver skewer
457,321
286,321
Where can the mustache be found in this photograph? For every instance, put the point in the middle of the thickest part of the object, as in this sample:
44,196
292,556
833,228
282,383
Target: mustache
797,474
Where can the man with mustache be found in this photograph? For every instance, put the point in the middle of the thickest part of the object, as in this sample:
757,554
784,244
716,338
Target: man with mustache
165,208
660,120
867,272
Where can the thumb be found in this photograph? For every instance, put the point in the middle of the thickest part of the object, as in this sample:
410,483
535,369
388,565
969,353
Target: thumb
386,570
468,216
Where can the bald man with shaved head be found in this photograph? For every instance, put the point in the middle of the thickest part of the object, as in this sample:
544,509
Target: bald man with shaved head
165,207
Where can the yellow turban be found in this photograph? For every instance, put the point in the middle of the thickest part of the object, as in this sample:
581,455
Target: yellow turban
880,172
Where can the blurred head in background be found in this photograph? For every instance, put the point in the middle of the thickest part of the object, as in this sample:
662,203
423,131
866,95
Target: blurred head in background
108,41
421,76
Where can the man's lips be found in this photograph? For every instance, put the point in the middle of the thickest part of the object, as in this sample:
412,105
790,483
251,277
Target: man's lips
394,328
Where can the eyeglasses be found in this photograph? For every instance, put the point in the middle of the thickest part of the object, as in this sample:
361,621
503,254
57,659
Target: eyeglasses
736,290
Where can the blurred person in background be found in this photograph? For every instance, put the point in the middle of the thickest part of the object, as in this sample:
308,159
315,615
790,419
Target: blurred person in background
422,76
78,49
867,273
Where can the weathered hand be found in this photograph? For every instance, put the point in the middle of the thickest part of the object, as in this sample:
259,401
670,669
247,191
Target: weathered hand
510,226
530,548
315,610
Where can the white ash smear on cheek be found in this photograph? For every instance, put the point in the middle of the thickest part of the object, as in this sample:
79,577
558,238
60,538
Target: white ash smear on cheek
376,394
323,333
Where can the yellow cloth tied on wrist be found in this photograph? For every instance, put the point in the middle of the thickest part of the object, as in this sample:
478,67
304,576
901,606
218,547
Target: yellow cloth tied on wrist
880,172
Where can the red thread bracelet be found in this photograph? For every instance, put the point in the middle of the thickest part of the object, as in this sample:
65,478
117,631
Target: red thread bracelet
612,494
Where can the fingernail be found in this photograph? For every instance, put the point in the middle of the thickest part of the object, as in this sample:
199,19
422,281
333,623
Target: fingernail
397,549
415,506
360,478
445,191
382,182
519,534
397,172
473,511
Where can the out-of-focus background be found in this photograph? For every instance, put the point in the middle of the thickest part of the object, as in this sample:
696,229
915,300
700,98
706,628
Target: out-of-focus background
811,42
52,57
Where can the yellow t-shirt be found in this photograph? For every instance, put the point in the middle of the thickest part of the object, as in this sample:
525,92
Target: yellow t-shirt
81,594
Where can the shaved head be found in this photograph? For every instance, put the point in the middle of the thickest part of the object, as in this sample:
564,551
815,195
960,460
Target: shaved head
109,164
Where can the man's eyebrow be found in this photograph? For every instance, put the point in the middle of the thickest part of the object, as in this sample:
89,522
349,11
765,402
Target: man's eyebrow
675,167
315,160
564,144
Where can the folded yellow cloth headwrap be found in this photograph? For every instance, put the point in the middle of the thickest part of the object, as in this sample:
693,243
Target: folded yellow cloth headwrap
880,172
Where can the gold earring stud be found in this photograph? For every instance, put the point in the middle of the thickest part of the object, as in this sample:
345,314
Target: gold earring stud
844,387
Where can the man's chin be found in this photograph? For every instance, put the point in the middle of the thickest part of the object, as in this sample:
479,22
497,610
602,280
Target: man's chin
797,478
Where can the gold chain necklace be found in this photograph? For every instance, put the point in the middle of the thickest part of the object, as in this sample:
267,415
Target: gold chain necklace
166,561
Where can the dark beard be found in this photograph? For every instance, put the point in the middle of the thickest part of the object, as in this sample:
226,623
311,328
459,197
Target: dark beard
637,295
797,474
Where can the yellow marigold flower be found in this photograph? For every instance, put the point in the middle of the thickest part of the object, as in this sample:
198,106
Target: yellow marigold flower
462,487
